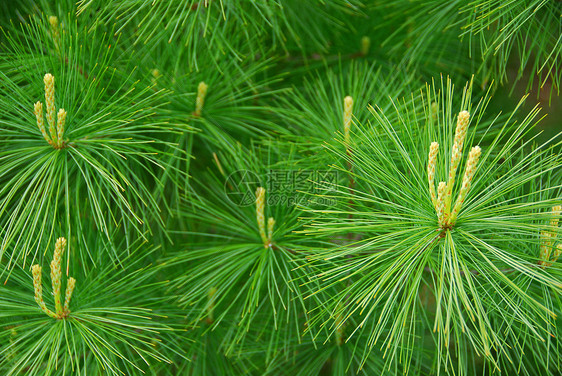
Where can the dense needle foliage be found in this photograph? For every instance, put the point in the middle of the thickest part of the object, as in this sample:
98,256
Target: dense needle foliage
319,187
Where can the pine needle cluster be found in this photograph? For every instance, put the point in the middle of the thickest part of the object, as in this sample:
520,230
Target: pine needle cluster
267,187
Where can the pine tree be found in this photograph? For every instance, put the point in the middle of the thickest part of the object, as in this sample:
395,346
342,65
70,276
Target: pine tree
224,187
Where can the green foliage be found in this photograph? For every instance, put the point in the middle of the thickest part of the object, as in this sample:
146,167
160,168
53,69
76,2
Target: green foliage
111,142
221,23
491,32
112,328
252,282
280,187
481,272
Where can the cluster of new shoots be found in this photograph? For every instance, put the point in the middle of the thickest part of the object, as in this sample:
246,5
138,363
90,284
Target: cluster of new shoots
446,210
61,311
56,128
260,217
549,253
55,33
347,113
200,100
365,45
155,76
